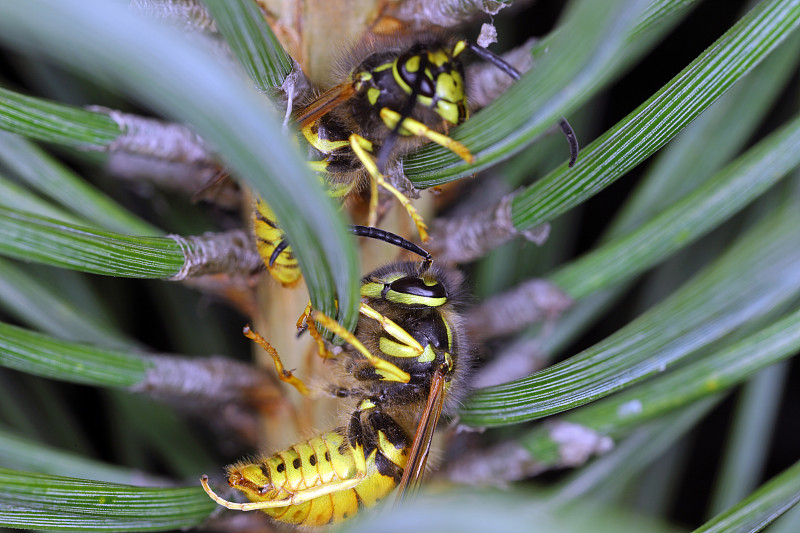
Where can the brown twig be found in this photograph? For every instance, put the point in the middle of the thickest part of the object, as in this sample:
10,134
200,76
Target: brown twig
530,302
466,238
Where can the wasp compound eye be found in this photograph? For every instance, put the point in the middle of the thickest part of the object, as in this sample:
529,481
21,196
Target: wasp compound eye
415,292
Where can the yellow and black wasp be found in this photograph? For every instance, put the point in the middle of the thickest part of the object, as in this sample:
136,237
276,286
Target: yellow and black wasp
404,363
389,102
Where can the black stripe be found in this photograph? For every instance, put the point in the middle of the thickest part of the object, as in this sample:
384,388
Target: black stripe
358,499
260,217
386,424
387,468
354,432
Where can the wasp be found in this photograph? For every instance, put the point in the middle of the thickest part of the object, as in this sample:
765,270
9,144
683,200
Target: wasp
403,365
388,103
281,262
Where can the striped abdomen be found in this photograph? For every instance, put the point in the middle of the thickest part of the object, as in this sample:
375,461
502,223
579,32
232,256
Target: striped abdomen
269,236
319,479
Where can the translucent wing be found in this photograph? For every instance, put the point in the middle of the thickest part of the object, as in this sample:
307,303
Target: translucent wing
323,105
418,457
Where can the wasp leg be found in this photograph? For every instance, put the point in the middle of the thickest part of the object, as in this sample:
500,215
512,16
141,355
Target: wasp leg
322,348
302,322
415,127
387,370
283,374
295,498
410,347
363,148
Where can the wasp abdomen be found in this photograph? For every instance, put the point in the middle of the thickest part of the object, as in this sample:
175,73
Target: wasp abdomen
269,236
318,466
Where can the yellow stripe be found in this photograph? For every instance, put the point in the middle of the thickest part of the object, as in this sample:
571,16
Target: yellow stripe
371,290
411,299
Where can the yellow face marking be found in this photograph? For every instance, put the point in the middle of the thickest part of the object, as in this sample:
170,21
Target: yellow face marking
412,65
371,290
459,47
412,299
372,94
450,89
383,67
374,289
438,57
450,86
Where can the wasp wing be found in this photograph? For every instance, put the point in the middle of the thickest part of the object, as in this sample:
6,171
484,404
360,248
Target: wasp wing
323,104
418,457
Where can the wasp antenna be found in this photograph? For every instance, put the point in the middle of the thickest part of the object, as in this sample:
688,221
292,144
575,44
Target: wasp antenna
391,238
494,59
572,139
500,63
